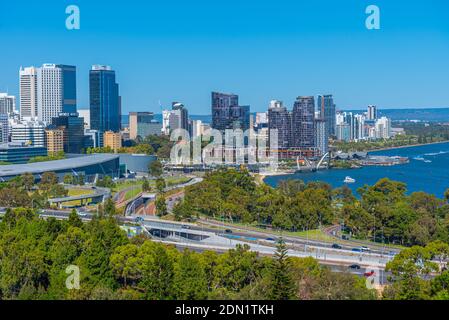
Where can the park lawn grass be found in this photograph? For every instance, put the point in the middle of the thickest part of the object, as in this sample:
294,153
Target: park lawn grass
76,192
123,185
316,234
79,192
170,181
133,192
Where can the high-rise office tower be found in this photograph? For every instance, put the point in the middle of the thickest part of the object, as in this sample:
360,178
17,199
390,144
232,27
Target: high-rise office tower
143,124
68,88
179,117
321,136
339,119
303,124
73,127
196,128
371,113
166,122
327,111
28,92
383,128
7,104
279,119
349,119
343,132
261,119
4,128
104,99
359,127
56,91
227,113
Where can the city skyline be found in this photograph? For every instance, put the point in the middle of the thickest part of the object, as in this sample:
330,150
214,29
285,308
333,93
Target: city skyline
279,51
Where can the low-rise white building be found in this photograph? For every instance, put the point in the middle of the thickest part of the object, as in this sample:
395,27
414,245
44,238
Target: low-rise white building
29,132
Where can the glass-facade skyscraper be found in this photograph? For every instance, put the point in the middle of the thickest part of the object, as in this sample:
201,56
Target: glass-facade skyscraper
143,124
227,113
326,107
68,88
104,99
73,127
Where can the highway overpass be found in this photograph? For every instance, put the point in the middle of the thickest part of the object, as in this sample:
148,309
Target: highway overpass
98,195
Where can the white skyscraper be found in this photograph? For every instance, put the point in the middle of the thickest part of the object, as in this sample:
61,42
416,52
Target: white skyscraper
371,113
359,127
47,91
261,118
7,104
28,92
383,128
321,136
166,122
196,128
339,118
50,91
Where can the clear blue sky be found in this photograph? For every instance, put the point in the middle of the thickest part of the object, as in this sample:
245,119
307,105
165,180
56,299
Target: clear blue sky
262,50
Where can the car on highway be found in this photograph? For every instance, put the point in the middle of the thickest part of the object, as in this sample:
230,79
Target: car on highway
356,250
369,273
228,231
336,246
138,219
270,239
354,267
81,214
184,226
365,249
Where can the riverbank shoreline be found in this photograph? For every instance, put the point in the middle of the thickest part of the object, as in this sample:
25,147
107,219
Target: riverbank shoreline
261,176
286,173
407,146
430,176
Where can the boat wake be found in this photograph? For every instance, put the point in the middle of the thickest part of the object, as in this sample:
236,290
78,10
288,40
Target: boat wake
436,153
419,158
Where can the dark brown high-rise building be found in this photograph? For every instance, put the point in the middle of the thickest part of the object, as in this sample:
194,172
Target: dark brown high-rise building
303,125
227,113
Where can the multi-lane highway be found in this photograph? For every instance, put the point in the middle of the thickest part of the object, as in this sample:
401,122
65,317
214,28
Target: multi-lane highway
221,238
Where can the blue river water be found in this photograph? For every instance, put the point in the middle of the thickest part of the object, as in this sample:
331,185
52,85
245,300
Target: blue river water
429,174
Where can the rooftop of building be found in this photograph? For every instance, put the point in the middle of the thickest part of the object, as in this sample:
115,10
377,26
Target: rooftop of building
56,165
13,145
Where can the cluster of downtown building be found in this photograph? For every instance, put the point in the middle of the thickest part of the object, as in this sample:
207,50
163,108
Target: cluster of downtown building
352,126
305,130
48,120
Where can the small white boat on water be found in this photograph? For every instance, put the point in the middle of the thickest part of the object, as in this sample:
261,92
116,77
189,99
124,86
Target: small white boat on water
348,179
